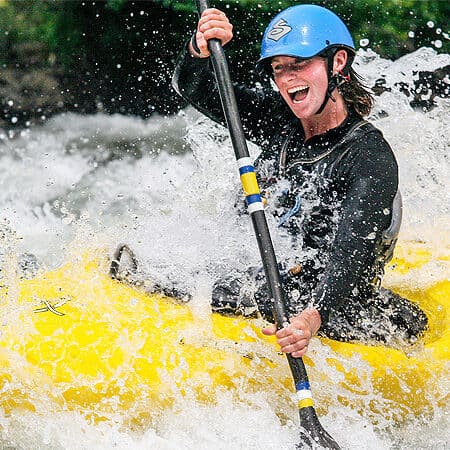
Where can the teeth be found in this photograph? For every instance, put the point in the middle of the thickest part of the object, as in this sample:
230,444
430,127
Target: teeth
297,89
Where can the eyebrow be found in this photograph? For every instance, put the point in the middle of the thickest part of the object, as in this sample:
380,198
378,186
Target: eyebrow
276,60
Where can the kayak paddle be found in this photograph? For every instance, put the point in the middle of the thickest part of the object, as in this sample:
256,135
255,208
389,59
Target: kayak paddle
313,433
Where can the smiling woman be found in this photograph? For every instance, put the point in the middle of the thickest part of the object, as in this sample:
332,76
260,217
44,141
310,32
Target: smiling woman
314,42
351,87
303,85
330,177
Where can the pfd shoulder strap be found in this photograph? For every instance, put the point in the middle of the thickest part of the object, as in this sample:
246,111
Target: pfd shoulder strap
357,130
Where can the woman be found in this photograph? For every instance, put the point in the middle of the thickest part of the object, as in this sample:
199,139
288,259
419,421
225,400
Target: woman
329,176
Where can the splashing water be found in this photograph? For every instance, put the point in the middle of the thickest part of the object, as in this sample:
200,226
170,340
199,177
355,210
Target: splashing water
167,187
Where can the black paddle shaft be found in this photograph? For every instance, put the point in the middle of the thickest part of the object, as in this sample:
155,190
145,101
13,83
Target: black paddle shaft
315,434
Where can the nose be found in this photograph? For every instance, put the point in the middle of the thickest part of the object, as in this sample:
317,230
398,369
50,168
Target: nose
287,75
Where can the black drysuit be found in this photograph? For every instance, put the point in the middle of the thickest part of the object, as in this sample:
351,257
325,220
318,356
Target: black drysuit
334,195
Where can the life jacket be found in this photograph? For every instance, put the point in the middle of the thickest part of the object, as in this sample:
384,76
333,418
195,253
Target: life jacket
385,246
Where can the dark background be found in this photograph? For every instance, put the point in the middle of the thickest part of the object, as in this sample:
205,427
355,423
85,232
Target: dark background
119,55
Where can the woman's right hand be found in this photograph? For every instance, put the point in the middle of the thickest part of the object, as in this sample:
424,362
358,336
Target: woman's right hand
295,337
213,24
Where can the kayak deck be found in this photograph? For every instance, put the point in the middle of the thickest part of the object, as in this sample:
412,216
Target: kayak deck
75,339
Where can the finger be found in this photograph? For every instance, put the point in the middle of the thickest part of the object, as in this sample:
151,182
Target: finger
291,348
300,353
295,347
202,44
215,23
288,331
223,33
296,332
290,340
212,12
222,37
269,331
211,15
283,332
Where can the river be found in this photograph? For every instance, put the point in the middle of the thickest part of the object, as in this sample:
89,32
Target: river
167,187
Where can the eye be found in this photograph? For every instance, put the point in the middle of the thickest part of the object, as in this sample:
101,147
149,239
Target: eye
299,64
277,68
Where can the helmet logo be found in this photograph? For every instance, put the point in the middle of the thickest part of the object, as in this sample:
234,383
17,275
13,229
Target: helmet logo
280,29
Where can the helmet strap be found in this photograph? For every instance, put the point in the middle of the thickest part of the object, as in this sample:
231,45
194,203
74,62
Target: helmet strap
334,81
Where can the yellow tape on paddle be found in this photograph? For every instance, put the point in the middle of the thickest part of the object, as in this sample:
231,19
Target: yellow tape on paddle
305,403
249,183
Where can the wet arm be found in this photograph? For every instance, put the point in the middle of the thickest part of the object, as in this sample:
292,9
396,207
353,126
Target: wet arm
372,184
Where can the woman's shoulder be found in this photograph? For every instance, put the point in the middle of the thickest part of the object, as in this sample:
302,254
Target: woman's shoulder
364,137
367,154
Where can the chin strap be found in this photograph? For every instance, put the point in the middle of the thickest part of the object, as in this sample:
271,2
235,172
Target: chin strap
335,80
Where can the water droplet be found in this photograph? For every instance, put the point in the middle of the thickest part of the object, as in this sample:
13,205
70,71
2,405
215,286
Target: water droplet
364,42
438,43
430,24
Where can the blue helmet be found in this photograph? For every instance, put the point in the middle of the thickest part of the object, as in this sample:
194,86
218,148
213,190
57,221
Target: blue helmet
304,31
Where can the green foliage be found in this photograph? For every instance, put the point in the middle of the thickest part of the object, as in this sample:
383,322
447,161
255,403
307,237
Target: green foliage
116,5
25,21
392,27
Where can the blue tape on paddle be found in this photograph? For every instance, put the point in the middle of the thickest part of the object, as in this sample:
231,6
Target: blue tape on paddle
246,169
255,198
302,385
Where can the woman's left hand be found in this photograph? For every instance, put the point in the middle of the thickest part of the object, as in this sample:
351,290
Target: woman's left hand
294,338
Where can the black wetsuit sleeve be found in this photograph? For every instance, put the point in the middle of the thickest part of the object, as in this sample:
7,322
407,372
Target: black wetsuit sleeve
371,175
194,80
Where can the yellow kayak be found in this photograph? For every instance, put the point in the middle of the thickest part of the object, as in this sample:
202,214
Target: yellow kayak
74,339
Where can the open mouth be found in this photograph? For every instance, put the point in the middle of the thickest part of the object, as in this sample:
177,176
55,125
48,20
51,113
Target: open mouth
298,93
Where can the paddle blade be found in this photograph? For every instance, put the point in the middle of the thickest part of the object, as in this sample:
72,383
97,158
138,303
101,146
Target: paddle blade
312,435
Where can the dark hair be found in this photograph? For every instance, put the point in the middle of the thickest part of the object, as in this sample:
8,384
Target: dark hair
356,94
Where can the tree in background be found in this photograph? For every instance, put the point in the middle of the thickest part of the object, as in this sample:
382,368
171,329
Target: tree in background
119,55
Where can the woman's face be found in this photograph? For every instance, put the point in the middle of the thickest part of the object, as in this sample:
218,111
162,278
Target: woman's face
302,83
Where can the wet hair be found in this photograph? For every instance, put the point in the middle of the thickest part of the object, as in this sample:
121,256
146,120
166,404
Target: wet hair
356,94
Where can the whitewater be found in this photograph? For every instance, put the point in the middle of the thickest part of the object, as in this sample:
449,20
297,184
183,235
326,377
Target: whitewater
167,186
